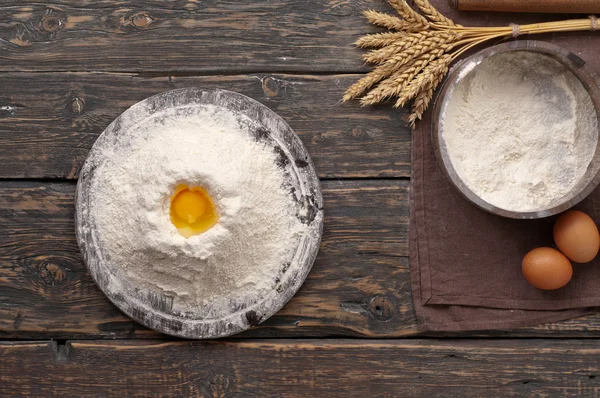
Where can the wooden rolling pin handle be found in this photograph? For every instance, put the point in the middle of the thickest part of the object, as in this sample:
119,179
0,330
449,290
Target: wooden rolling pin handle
555,6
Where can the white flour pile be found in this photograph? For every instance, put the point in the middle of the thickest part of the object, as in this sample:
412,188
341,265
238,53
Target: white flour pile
520,130
239,257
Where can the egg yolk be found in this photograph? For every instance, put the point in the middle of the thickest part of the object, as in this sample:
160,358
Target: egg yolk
192,210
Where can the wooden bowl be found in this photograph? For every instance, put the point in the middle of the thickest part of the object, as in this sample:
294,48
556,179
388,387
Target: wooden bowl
154,309
572,62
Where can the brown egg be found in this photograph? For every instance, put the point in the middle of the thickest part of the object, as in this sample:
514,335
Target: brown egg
547,268
576,235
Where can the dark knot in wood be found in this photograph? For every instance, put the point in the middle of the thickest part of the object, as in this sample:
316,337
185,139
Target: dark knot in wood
50,23
77,106
270,86
382,308
51,273
141,20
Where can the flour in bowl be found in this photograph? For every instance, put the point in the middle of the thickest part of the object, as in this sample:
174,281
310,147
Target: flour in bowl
258,227
520,130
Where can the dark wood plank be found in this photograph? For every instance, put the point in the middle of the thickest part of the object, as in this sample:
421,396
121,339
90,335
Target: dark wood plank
311,368
199,36
49,121
358,285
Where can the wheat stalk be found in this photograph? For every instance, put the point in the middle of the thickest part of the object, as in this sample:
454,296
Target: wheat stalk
433,14
394,85
393,64
431,74
428,39
422,100
390,21
407,12
378,40
420,104
413,58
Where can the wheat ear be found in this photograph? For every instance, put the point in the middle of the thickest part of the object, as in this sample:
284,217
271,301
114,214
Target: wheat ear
414,40
412,60
433,73
397,82
377,40
386,20
432,13
407,12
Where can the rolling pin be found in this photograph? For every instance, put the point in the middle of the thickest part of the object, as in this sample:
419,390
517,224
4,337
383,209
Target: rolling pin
555,6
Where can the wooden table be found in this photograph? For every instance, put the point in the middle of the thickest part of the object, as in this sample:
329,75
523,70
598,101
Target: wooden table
69,67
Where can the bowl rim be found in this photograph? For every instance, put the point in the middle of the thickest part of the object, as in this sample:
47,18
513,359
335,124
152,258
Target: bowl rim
572,62
153,309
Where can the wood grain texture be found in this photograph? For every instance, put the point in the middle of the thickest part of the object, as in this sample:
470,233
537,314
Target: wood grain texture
49,121
359,285
180,35
311,368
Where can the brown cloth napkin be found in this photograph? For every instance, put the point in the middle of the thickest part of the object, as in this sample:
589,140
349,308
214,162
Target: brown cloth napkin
465,263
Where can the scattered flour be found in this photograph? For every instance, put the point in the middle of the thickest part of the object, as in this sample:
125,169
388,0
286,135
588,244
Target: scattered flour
239,257
520,130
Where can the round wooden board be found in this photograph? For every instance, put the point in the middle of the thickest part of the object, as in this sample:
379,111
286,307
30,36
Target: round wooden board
152,308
